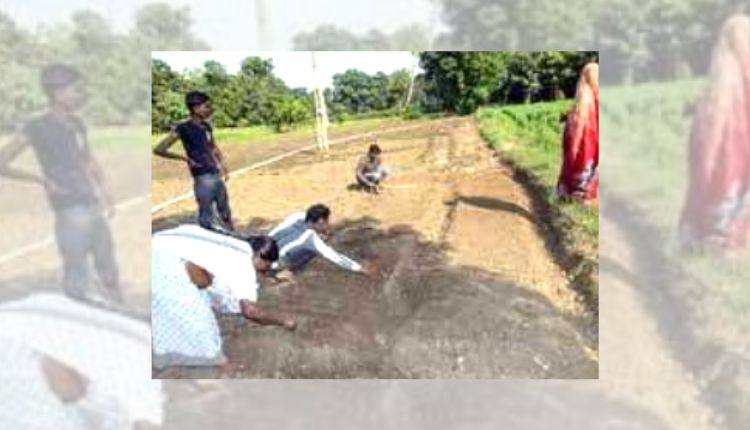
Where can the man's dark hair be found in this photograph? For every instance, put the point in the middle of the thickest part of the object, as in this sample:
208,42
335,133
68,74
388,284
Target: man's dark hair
316,212
195,98
265,247
374,149
57,76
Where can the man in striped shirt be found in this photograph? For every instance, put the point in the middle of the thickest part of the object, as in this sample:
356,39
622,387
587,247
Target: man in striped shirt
299,241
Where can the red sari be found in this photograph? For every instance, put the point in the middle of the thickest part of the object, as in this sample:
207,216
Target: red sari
579,175
718,195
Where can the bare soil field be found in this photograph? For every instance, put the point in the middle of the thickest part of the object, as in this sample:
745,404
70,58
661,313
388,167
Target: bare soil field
466,286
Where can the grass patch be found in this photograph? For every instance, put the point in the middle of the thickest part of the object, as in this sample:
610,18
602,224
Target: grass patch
530,136
126,137
264,134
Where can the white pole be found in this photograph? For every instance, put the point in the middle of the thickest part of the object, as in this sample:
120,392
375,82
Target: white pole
321,112
263,32
411,82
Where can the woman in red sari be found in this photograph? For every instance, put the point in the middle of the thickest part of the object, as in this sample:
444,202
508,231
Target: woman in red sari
718,194
579,175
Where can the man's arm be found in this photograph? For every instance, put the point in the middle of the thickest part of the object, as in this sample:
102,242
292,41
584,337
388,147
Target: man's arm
252,312
331,255
97,173
10,152
162,149
220,158
65,382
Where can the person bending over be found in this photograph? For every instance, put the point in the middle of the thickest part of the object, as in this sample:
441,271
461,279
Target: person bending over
299,240
195,270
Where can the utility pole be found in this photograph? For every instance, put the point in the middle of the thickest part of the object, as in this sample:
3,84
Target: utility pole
321,112
263,34
411,82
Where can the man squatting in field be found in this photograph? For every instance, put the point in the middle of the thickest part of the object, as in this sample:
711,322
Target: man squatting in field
370,171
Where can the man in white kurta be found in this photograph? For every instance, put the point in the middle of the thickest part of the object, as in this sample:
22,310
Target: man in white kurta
185,329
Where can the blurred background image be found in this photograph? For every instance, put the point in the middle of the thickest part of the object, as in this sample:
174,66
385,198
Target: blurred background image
673,322
525,296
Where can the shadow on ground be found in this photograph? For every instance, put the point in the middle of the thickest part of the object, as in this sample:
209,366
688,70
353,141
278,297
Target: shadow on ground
418,317
493,204
251,226
555,228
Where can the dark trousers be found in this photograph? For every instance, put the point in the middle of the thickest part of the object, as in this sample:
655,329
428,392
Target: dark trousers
210,190
83,232
296,259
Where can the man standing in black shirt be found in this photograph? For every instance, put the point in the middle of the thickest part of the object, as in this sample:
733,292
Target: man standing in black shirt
74,182
204,158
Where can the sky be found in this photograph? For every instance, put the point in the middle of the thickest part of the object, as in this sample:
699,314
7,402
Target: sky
230,24
295,68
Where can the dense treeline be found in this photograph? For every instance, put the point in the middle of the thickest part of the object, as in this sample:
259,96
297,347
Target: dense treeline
451,82
255,96
252,96
115,66
643,41
463,81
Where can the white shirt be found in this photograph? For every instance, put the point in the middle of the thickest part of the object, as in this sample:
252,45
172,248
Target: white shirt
111,350
228,259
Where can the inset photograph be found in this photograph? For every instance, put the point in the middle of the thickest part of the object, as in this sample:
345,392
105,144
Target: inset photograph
407,215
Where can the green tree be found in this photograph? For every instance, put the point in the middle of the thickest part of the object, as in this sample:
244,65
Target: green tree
398,86
332,38
167,97
355,90
19,85
160,27
516,25
464,80
325,38
288,111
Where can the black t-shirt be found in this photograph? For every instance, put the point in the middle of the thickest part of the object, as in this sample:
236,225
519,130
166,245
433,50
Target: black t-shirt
198,141
62,150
